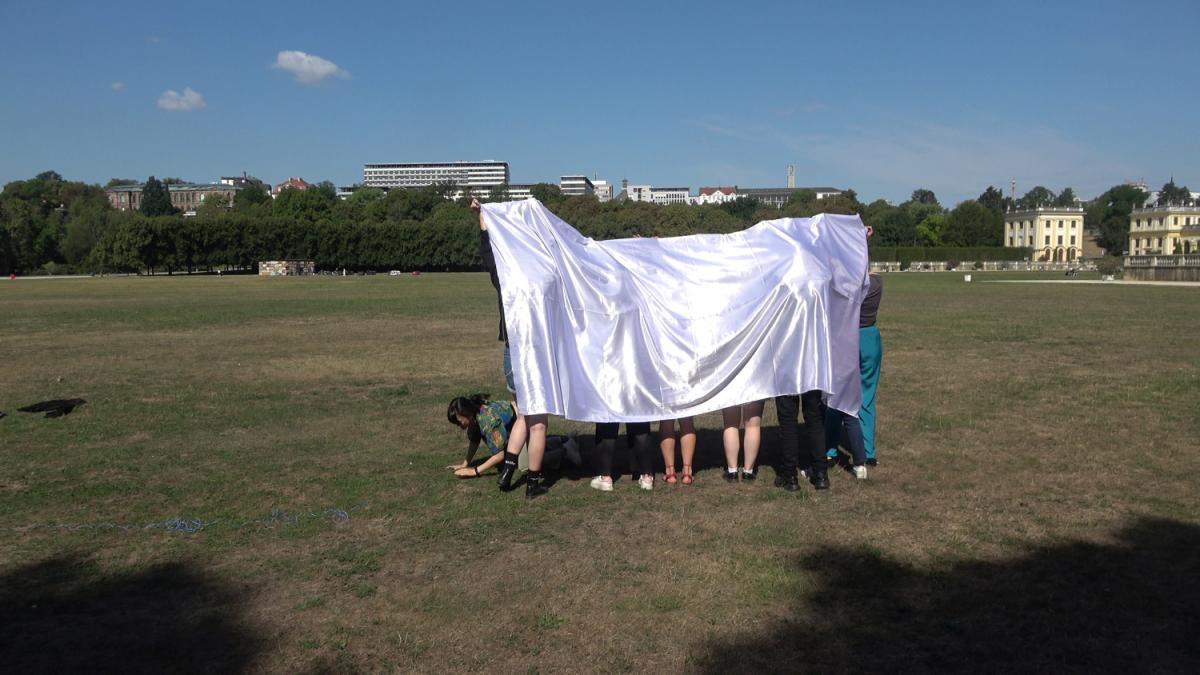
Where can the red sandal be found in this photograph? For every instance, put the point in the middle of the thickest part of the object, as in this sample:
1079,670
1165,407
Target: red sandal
687,474
669,476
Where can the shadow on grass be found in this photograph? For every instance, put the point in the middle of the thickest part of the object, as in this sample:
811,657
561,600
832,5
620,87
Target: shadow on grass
1133,606
61,615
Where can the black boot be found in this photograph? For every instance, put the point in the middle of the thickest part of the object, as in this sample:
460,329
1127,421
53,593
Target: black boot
534,487
789,483
507,468
819,477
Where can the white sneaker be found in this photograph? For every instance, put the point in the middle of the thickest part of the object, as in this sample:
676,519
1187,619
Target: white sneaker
602,483
860,472
645,482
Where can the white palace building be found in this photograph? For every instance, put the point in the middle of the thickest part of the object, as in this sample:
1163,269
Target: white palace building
1055,233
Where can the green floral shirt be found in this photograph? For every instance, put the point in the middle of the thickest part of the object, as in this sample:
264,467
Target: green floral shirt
495,419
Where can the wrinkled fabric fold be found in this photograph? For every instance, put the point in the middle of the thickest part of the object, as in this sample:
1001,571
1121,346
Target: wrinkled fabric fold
637,330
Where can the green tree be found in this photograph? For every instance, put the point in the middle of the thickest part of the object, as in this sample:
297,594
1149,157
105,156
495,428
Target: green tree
365,195
930,230
923,196
801,198
742,208
973,224
156,200
1038,196
1170,193
498,193
546,193
1108,216
1065,198
212,205
119,182
993,199
249,196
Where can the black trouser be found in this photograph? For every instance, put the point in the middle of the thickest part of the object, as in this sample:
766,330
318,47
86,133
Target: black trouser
803,447
637,436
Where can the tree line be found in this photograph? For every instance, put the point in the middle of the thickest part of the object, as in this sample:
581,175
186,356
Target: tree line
51,225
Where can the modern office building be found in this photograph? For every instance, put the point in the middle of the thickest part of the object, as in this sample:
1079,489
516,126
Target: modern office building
777,197
481,175
575,186
1055,233
657,195
1164,230
603,190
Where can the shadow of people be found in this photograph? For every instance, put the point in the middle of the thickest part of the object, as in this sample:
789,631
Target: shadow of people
1130,606
63,615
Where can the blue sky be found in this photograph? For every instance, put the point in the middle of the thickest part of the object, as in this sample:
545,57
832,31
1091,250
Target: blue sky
882,97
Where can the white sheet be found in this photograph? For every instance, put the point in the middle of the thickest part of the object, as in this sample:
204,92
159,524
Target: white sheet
637,330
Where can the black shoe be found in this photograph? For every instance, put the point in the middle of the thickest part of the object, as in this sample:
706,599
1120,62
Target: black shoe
819,477
872,462
731,476
504,480
750,475
789,483
534,487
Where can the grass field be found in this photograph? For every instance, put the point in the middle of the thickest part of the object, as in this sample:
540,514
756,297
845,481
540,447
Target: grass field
1036,505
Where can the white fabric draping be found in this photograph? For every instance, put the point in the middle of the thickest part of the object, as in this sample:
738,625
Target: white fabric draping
637,330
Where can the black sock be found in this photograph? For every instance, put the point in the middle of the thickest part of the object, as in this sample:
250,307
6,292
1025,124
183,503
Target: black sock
533,476
510,458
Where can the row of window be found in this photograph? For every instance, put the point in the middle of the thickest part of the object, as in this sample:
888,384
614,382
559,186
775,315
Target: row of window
1187,220
1020,240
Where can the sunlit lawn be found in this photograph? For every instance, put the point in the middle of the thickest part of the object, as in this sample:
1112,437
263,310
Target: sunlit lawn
1035,504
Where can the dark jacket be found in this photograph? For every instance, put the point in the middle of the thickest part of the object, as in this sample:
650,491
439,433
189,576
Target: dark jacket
489,262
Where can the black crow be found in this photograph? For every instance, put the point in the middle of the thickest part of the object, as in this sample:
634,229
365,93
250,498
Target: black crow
56,408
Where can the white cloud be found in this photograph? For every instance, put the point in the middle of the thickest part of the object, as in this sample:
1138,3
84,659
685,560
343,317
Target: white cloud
172,100
307,68
118,86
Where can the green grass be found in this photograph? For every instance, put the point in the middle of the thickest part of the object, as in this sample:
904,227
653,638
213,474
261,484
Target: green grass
1035,439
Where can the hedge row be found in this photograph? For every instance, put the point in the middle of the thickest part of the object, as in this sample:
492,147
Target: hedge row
908,254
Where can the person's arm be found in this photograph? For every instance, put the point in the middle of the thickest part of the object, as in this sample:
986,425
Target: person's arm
473,471
471,449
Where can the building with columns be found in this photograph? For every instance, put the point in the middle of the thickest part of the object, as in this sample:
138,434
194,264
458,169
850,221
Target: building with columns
1164,230
1055,233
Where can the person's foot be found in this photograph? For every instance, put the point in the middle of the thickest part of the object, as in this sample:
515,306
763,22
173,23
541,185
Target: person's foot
872,462
504,480
731,475
646,482
669,476
687,475
819,478
749,474
534,487
860,472
789,483
602,483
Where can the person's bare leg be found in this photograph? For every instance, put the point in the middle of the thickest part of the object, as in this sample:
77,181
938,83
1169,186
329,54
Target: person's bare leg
537,440
752,414
687,442
666,443
730,438
517,436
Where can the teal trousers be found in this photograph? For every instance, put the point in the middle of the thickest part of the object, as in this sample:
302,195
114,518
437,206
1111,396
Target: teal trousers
870,359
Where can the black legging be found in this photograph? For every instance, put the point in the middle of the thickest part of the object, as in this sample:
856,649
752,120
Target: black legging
803,448
637,435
